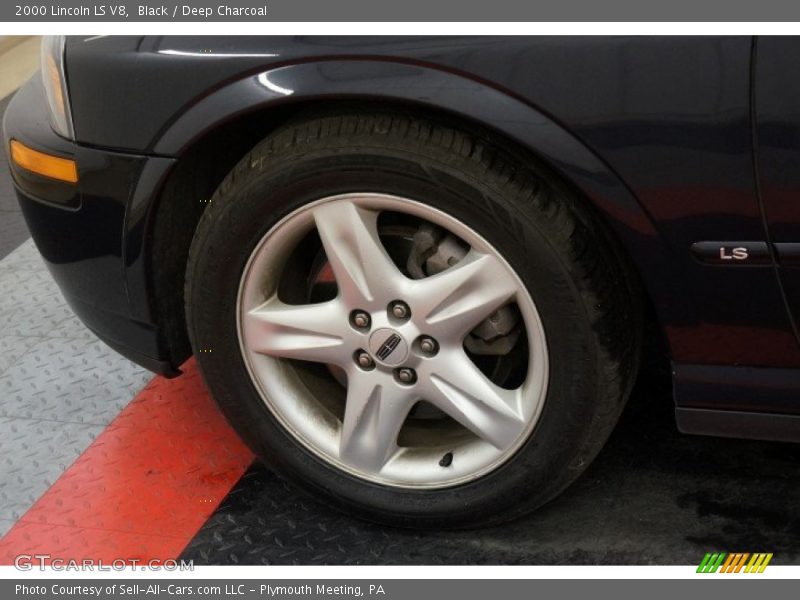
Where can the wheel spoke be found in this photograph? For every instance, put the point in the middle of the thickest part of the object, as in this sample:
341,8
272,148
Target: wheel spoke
459,389
313,332
363,270
374,415
457,299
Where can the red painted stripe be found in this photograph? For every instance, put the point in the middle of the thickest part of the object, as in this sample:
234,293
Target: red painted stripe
144,487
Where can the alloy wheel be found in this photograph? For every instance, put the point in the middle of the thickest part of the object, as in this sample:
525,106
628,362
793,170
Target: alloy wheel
393,375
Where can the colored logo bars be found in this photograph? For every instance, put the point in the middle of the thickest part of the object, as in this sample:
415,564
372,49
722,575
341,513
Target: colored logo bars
734,563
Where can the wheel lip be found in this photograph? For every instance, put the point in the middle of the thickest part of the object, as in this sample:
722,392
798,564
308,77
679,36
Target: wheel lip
528,309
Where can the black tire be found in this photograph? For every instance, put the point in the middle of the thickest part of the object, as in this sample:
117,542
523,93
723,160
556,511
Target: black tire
577,276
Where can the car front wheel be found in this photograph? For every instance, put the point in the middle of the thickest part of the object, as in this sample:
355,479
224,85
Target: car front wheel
411,320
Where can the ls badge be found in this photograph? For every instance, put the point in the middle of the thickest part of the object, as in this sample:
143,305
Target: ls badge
732,253
738,253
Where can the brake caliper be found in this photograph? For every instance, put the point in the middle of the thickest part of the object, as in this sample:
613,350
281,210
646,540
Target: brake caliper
433,250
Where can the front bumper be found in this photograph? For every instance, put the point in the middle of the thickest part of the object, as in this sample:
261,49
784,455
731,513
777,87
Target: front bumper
87,232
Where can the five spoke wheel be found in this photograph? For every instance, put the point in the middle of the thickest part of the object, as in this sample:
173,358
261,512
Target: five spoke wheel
395,341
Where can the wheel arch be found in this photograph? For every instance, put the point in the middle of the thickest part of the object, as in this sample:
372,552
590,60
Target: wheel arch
209,137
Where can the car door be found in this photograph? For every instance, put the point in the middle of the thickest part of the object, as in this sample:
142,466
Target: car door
776,94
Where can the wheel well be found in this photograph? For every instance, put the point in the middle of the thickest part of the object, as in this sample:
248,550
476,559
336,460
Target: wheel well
203,167
191,183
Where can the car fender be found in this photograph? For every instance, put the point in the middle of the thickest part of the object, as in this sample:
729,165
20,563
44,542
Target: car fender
426,86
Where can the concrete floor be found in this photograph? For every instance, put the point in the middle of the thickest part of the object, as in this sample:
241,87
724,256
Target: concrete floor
19,60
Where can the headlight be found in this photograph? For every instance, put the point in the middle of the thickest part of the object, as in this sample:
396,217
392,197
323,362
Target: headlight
55,84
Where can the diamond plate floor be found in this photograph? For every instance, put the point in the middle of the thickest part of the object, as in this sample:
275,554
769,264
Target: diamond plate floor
146,484
59,385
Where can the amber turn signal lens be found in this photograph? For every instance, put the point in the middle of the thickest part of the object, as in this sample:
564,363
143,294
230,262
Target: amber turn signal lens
40,163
